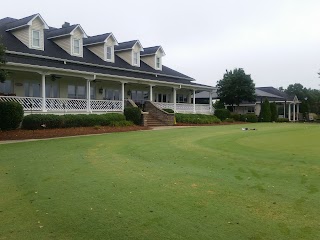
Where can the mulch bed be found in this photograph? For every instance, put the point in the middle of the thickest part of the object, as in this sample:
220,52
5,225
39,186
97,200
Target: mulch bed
21,134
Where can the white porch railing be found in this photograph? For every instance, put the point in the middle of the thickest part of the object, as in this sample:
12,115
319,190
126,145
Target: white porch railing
185,107
28,103
106,105
65,104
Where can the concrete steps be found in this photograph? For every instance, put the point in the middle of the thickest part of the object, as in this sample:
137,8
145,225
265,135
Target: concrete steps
153,122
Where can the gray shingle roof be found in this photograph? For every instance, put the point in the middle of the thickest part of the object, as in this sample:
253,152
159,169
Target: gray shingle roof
18,23
90,62
125,45
58,32
149,51
96,39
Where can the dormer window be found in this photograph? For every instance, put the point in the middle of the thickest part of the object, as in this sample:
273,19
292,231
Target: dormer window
135,58
158,63
35,39
109,53
76,46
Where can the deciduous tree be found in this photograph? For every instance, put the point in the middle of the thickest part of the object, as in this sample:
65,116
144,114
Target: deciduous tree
236,87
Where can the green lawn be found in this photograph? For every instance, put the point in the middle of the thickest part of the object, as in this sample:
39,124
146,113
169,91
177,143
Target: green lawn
192,183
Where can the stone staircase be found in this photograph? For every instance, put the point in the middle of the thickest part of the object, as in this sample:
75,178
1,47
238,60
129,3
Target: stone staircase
153,122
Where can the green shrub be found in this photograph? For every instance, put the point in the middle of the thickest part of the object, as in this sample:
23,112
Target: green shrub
40,121
133,114
168,110
235,116
274,112
122,123
107,119
222,114
11,115
230,120
196,118
265,113
249,118
282,120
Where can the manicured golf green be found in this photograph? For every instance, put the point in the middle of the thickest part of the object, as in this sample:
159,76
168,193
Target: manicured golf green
193,183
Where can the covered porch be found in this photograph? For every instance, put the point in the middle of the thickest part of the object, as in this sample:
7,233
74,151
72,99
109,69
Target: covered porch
61,92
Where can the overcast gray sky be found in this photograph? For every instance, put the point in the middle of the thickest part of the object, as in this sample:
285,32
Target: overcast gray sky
276,41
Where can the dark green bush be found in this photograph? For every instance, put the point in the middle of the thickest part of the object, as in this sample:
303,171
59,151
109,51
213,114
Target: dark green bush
107,119
168,110
11,114
274,112
230,120
282,120
235,116
250,117
196,118
133,114
222,114
122,123
265,113
40,121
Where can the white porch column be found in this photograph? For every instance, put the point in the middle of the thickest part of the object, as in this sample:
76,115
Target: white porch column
88,96
43,92
294,112
151,93
289,112
174,99
210,101
298,111
122,95
194,101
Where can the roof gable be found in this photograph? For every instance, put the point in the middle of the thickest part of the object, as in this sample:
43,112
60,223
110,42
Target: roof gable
152,51
99,39
125,46
24,22
64,31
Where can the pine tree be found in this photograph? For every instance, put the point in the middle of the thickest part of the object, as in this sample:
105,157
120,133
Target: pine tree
274,112
265,113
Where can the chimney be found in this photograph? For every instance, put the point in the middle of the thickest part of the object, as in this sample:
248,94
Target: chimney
66,24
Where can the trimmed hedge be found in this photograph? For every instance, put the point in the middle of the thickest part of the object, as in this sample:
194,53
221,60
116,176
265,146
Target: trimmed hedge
39,121
229,120
249,118
11,115
222,114
168,110
122,123
133,114
196,118
282,120
235,116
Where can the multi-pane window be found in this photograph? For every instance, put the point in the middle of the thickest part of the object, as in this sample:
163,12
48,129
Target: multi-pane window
36,38
109,53
181,98
112,94
6,87
76,46
135,58
76,92
52,90
32,89
158,63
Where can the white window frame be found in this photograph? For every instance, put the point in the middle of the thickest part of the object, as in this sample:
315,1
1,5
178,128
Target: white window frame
135,58
111,53
158,58
74,46
32,39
